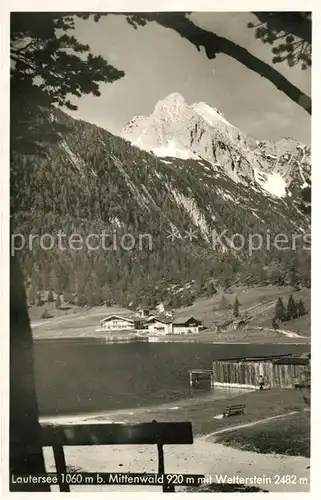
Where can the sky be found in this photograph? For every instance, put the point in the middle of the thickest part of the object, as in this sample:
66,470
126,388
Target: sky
157,61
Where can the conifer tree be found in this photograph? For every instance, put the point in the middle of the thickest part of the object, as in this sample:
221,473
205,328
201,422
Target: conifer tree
58,301
300,308
280,310
236,307
275,323
48,66
291,309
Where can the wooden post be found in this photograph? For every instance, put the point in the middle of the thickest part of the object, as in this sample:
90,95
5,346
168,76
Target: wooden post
167,488
160,459
61,466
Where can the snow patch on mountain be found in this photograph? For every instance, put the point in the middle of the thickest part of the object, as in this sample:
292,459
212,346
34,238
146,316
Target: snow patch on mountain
211,115
172,149
272,183
275,185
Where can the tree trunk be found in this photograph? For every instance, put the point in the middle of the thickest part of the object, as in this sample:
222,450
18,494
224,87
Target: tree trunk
25,454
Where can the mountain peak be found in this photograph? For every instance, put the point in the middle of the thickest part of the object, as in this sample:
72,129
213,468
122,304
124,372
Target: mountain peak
173,103
174,98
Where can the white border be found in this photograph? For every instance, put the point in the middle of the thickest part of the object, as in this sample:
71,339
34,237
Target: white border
160,5
148,5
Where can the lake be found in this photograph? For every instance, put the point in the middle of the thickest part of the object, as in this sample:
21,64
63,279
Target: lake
78,377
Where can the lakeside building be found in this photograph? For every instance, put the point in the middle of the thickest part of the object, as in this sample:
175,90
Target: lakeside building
278,371
180,325
115,322
161,325
185,325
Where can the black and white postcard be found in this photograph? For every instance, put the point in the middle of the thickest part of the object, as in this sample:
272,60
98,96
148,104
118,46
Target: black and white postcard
160,247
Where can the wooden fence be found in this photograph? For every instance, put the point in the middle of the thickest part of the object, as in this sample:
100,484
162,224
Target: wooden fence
246,374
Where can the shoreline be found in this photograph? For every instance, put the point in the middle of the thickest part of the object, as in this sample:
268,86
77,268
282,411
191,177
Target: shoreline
180,339
108,416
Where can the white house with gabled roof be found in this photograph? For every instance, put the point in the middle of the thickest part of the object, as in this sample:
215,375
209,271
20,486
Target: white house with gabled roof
162,326
117,322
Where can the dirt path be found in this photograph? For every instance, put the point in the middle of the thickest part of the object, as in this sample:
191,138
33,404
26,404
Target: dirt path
250,424
288,333
219,464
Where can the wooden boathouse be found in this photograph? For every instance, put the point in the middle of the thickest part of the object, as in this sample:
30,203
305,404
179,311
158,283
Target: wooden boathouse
284,371
195,376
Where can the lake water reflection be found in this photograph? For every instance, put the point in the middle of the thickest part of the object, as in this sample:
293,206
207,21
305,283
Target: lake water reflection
74,377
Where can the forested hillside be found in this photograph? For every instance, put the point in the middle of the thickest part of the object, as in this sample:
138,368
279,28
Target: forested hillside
88,181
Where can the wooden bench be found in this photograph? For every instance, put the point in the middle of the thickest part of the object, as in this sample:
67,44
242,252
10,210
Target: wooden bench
233,410
159,433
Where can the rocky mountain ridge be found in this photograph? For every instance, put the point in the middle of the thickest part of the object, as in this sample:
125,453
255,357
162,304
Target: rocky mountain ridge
197,131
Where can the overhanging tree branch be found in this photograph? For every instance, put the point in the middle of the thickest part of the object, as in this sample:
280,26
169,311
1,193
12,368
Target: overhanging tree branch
268,72
215,44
